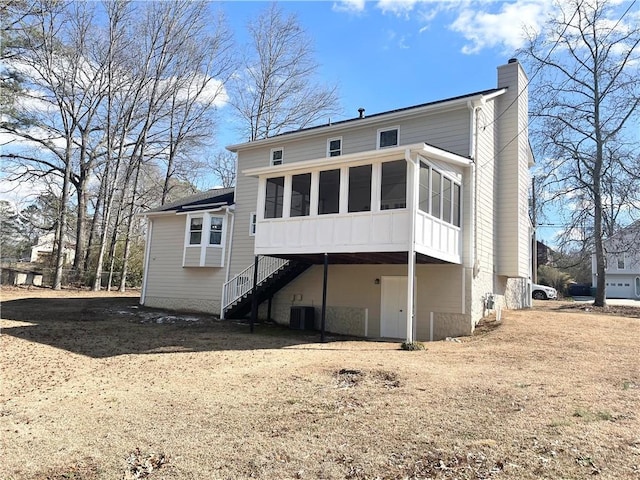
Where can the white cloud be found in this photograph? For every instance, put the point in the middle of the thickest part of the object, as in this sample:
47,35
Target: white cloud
484,29
397,7
349,6
202,89
483,23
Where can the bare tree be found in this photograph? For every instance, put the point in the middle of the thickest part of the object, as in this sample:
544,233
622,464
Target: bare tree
587,84
223,166
276,91
62,91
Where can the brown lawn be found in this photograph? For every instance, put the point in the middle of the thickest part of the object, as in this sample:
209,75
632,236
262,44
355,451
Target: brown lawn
93,387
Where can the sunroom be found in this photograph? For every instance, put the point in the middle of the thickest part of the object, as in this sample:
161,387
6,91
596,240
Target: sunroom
370,207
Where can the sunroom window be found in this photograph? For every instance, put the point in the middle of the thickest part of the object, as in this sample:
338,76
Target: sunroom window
274,198
300,195
439,196
394,185
423,197
329,192
360,188
436,197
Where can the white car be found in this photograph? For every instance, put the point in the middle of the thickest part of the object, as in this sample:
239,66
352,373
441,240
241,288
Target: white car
542,292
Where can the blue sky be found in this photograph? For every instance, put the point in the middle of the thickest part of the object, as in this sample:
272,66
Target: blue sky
388,55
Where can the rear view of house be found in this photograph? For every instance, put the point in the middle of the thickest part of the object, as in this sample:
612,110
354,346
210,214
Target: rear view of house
412,224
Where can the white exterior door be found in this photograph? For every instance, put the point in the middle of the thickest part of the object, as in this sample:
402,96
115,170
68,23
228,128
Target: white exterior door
393,314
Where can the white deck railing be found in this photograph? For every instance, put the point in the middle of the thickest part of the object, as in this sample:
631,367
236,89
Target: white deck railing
242,283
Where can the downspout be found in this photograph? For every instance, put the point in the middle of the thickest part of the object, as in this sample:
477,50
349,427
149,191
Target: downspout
143,293
474,107
230,212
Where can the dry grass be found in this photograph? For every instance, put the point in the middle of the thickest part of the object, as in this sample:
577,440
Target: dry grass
94,388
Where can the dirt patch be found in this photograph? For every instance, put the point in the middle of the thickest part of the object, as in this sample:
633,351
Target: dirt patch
94,386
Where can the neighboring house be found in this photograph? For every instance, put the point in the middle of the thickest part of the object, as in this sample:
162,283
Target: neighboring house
622,273
420,213
546,255
43,251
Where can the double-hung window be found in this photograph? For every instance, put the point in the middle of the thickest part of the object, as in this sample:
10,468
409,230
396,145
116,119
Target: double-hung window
215,236
277,156
195,231
334,147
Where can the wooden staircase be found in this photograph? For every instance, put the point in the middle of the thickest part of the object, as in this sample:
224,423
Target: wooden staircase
273,274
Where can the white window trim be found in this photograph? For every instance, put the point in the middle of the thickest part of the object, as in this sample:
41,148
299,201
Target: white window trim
273,150
205,237
624,262
386,129
333,139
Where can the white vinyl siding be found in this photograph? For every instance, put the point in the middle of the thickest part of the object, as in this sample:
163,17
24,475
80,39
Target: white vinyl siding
169,285
354,287
513,178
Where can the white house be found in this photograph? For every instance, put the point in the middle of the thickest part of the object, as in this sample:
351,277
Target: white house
408,224
622,273
43,250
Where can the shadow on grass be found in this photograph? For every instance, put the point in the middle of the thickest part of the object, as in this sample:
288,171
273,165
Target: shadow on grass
106,326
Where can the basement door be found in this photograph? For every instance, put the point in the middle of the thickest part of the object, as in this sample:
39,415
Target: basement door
393,316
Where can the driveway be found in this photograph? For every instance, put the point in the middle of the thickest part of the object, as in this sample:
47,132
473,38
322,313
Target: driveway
611,301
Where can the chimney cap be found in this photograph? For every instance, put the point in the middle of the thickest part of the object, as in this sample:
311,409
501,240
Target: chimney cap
513,60
361,112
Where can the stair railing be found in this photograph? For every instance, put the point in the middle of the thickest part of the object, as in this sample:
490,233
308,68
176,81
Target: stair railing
242,283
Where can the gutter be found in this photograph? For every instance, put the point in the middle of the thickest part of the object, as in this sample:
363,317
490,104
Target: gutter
365,157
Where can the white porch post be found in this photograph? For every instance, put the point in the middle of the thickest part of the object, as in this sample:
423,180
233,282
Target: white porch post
412,204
